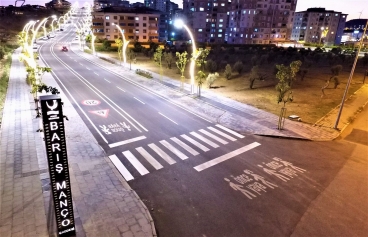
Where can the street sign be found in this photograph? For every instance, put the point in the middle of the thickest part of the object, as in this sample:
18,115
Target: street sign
57,158
103,112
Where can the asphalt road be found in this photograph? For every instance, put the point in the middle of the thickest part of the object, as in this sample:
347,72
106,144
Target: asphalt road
196,178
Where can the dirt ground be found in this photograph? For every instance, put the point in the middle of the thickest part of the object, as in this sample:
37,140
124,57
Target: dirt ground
308,102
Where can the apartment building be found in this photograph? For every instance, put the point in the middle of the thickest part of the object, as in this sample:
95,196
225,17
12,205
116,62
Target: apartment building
260,21
207,18
138,24
318,25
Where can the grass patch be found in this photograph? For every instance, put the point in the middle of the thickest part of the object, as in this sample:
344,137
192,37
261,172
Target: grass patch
4,80
88,51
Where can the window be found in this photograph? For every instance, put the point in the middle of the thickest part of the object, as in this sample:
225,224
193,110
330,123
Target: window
220,25
201,9
144,18
122,24
144,37
144,25
311,27
222,4
221,20
115,17
136,18
199,30
144,31
107,17
137,24
130,30
130,24
107,23
130,18
107,30
121,17
213,25
220,30
136,31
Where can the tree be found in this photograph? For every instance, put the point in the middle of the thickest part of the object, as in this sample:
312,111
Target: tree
137,47
228,71
302,73
89,38
238,67
158,59
254,75
201,78
335,72
168,58
106,44
211,66
201,57
293,70
211,78
119,43
181,62
131,56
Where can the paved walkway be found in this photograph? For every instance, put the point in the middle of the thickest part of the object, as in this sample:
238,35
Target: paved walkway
103,202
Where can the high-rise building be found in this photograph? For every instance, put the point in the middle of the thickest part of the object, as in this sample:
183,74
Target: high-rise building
260,21
207,18
318,25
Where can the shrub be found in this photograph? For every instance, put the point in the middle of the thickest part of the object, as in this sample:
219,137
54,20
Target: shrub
228,71
211,66
238,67
143,73
211,78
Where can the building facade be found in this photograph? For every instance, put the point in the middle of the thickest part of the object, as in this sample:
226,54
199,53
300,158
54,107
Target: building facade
318,25
142,27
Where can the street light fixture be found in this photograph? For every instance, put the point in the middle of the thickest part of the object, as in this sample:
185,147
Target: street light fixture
179,24
125,42
33,39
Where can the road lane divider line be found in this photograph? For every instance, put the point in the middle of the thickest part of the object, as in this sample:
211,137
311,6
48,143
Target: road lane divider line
88,68
168,118
107,80
96,73
134,161
162,154
126,141
139,100
174,150
185,146
214,137
80,64
149,158
194,142
229,131
222,133
202,138
121,168
120,89
225,157
100,94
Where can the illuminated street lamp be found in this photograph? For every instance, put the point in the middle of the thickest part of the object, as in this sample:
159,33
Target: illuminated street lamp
44,25
62,17
179,24
52,25
125,42
33,63
323,33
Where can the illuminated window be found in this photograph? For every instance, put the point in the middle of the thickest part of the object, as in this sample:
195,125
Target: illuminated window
201,9
107,17
221,20
219,35
199,30
137,18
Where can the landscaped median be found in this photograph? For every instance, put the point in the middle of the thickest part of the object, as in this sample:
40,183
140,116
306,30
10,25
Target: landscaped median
144,73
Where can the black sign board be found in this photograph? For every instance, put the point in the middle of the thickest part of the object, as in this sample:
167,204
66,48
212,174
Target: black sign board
53,127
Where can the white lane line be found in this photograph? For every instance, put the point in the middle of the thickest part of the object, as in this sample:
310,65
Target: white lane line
80,64
120,89
202,138
75,60
168,118
174,150
123,171
149,158
222,134
214,137
226,157
88,68
185,146
133,160
194,142
229,131
127,141
96,73
162,154
139,100
107,80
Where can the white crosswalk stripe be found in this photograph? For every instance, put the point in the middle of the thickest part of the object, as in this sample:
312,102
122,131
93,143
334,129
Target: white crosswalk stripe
202,138
123,171
222,134
149,158
133,160
185,146
194,142
162,154
174,150
230,131
214,137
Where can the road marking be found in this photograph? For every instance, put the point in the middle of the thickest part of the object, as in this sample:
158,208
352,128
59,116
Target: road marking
168,118
226,157
91,102
185,146
202,138
75,60
139,100
88,68
107,80
222,134
229,131
126,141
194,142
133,160
103,112
162,154
96,73
81,64
214,137
149,158
121,168
120,88
174,150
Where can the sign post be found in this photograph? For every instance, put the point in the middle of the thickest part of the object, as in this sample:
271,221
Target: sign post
54,133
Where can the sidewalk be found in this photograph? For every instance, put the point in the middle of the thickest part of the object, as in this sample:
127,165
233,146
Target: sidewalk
104,204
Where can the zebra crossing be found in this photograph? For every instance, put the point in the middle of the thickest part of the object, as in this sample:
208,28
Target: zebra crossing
191,145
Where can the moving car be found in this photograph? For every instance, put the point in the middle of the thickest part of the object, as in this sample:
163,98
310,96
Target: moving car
64,49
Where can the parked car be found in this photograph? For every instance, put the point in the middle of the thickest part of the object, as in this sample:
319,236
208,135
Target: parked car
64,49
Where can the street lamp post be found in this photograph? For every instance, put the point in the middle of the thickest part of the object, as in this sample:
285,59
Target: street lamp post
125,42
320,37
33,39
179,24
